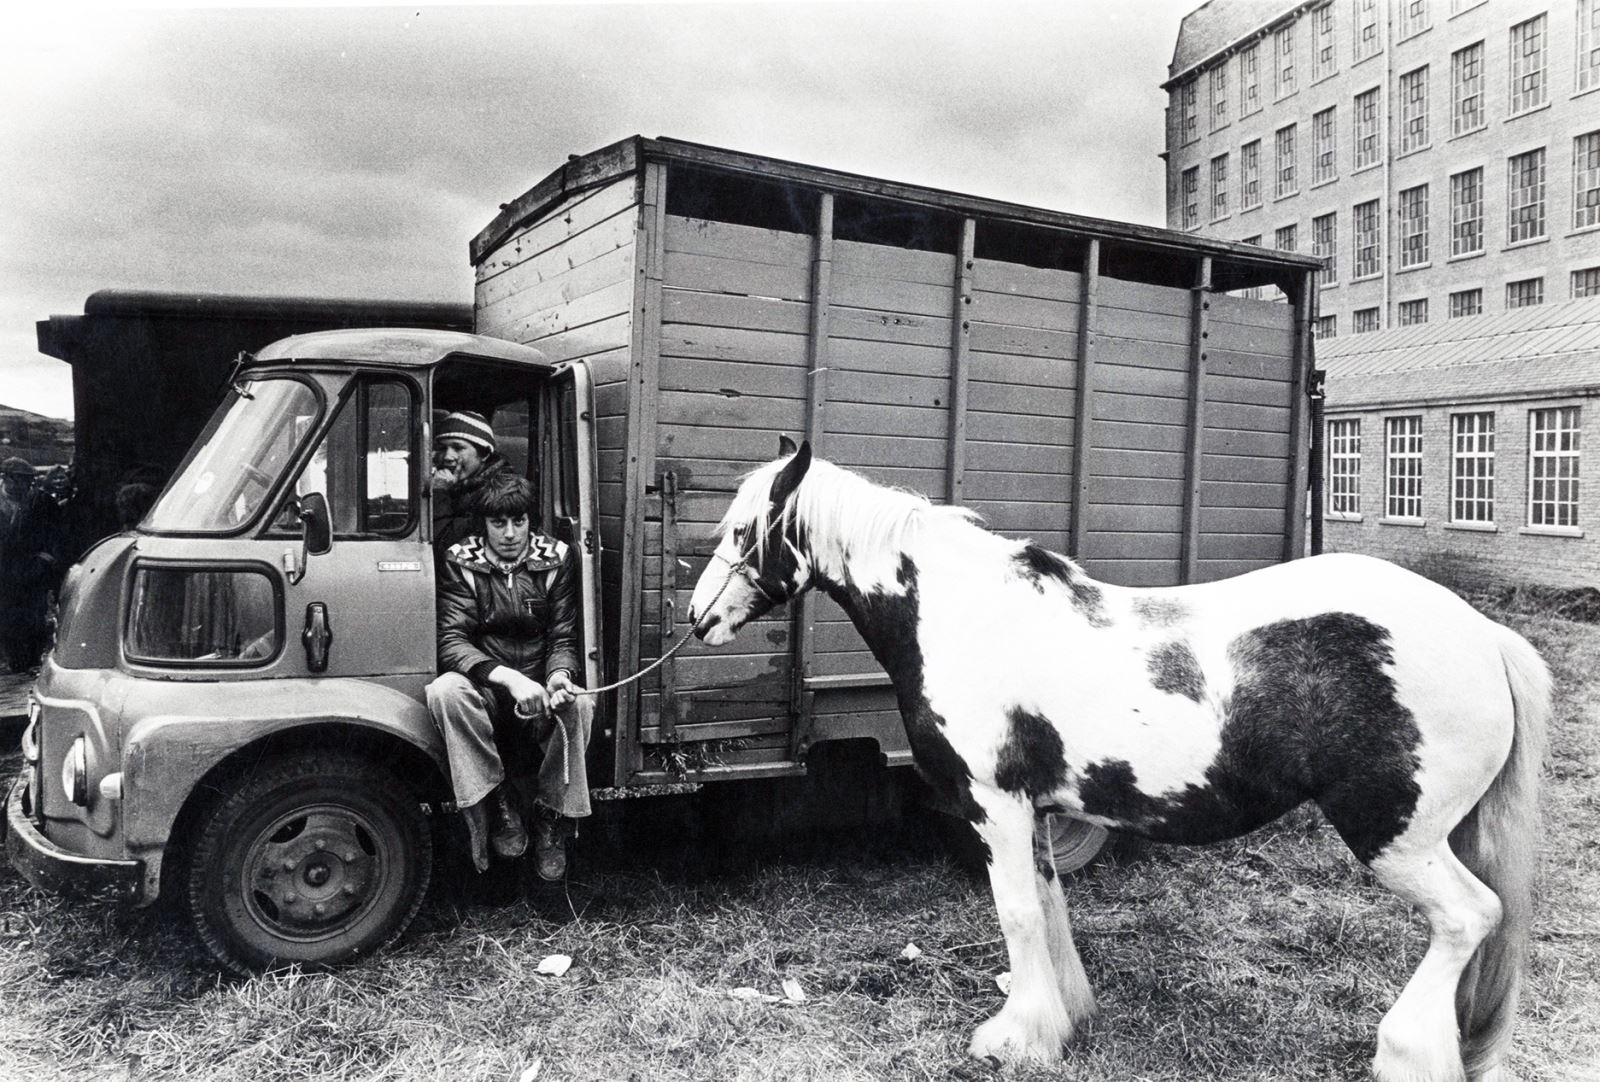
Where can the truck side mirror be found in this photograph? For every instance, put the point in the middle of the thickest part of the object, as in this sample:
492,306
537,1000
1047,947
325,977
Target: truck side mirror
316,524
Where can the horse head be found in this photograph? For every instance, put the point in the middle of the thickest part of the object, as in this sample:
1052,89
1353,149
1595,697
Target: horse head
759,562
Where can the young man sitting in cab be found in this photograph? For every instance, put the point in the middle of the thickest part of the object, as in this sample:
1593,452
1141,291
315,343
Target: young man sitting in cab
508,630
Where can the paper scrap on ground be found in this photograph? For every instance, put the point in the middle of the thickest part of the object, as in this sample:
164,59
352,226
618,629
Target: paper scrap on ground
1002,981
911,953
793,992
532,1072
555,965
747,992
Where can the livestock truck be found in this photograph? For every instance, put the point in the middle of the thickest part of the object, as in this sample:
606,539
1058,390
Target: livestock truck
233,707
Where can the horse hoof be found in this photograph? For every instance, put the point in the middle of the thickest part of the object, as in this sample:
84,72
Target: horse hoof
1007,1039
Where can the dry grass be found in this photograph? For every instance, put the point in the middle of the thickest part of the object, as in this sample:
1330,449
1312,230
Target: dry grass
1269,958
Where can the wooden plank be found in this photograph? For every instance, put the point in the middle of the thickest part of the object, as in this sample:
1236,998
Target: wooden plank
728,240
1146,382
1135,572
960,365
845,664
1251,313
1032,313
582,258
1244,469
1230,493
1023,516
572,180
1143,355
1084,404
746,411
1145,299
1242,546
1135,436
1122,462
874,326
1020,371
1155,491
867,418
1200,308
1242,520
739,277
1273,341
1008,341
1020,400
738,345
894,264
1250,392
1140,546
681,306
1232,441
1119,406
1135,518
1247,418
668,605
996,276
563,317
643,373
563,222
989,426
889,296
848,449
1139,326
1020,458
600,339
734,379
1305,312
1215,570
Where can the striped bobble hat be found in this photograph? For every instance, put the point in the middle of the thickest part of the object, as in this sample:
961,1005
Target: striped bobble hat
465,425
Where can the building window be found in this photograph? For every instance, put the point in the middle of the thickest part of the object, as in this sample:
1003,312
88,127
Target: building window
1588,59
1188,119
1458,6
1325,245
1525,196
1466,89
1466,302
1414,226
1285,239
1525,294
1410,313
1586,283
1586,180
1368,240
1414,110
1472,467
1365,320
1553,466
1366,129
1324,155
1219,95
1466,212
1344,467
1249,80
1191,197
1324,53
1365,30
1283,70
1326,327
1288,182
1527,65
1219,187
1413,18
1250,175
1402,472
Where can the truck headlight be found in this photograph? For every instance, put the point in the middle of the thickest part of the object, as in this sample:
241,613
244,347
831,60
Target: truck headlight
75,773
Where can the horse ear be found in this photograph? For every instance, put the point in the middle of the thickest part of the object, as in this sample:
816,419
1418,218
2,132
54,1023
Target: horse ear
785,445
788,478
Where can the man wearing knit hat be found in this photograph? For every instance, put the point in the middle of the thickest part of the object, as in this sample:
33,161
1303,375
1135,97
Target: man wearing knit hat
464,460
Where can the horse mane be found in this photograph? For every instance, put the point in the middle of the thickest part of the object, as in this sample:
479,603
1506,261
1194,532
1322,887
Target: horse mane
855,529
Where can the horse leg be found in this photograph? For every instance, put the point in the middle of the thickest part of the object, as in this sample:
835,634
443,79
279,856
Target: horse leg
1034,1023
1418,1039
1076,994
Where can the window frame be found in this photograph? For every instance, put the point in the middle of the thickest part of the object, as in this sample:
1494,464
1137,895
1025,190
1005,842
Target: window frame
1326,246
1250,175
1286,182
1529,86
1413,93
1403,468
1586,179
1467,111
1532,196
1453,310
1411,226
1344,464
261,568
1325,146
1466,215
1537,456
1472,444
1366,236
1366,148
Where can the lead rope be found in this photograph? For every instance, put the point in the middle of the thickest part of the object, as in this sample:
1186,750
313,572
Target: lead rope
733,569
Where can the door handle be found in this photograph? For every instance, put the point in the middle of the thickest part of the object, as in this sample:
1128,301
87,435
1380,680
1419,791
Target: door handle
317,636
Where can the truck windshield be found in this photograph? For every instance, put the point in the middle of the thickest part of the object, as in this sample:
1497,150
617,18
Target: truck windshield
247,446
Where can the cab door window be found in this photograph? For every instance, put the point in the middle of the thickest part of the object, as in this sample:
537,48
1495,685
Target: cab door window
365,465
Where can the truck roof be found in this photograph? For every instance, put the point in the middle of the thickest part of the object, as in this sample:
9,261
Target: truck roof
401,346
1245,262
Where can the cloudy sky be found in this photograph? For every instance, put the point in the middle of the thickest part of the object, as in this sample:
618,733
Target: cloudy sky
353,152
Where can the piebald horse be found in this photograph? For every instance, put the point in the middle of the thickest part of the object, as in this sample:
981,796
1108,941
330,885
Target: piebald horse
1188,714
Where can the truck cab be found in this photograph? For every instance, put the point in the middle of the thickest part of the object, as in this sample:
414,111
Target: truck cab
244,673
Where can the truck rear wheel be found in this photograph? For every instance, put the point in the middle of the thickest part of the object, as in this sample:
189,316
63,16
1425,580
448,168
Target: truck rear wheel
313,858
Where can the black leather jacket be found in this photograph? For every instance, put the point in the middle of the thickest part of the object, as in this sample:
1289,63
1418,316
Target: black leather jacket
525,619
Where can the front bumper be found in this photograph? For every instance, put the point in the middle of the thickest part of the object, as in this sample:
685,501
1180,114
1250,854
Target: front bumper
49,867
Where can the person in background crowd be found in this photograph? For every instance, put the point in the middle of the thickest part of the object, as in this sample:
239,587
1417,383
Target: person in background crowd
24,566
508,649
464,461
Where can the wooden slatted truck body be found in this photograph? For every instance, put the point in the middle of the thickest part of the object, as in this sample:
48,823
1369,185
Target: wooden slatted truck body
1104,389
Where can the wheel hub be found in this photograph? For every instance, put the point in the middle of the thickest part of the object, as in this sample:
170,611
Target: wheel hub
312,870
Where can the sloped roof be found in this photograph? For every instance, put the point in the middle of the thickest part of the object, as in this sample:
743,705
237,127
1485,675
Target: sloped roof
1541,351
1218,24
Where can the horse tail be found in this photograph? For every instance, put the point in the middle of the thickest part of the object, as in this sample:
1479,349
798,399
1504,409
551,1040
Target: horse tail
1498,842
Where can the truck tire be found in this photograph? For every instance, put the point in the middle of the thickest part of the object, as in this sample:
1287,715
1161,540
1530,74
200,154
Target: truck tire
313,858
1073,843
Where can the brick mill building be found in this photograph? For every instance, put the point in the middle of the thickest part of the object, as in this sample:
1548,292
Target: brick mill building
1443,156
1473,438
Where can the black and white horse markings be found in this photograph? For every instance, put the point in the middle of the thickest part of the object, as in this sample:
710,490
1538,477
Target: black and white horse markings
1186,714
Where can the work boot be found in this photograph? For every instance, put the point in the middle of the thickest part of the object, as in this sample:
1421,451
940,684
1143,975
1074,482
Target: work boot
509,837
549,846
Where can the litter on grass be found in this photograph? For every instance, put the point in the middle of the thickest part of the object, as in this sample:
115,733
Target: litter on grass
554,965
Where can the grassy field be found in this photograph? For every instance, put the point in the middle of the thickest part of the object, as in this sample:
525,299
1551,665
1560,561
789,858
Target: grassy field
1269,958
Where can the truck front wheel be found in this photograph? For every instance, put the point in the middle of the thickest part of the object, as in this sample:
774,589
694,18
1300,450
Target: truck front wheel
312,858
